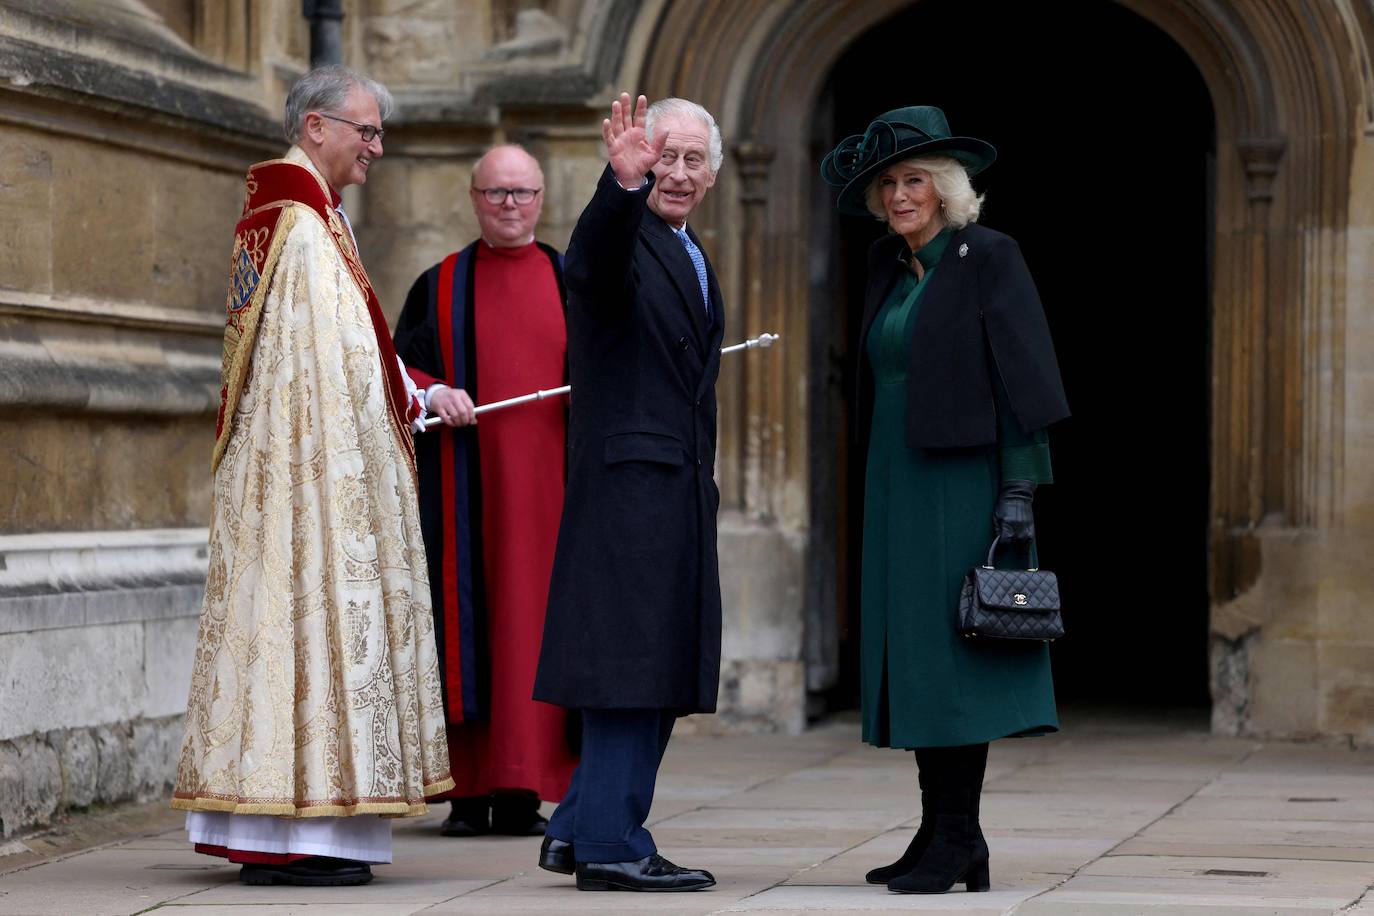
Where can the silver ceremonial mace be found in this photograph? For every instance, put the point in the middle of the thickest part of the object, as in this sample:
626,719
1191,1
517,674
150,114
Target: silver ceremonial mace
763,340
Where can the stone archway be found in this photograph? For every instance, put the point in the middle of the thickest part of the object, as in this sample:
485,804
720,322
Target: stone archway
1289,83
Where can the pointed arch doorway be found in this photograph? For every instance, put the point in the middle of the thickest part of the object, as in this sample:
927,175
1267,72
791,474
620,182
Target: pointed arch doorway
1287,105
1105,179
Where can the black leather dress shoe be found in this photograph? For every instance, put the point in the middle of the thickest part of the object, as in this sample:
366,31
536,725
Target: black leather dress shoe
467,817
557,856
315,871
651,873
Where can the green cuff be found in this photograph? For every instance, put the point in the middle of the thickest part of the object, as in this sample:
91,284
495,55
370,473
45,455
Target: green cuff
1028,462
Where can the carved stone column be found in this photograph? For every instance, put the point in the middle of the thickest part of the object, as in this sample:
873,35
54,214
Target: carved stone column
762,452
1263,376
1285,365
1248,380
224,32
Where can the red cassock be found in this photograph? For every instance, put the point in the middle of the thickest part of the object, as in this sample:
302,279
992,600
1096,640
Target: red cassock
491,321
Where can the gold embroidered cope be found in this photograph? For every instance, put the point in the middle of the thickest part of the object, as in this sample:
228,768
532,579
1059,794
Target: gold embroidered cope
315,689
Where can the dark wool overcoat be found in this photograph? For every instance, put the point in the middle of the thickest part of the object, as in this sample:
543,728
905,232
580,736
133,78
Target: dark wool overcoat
634,603
981,314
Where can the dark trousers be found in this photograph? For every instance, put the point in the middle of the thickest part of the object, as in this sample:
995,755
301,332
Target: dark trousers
604,811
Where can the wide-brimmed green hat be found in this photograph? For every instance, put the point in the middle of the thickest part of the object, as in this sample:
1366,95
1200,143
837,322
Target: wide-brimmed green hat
917,130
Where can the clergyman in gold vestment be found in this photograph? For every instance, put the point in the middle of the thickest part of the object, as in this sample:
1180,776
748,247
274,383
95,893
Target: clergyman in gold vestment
315,708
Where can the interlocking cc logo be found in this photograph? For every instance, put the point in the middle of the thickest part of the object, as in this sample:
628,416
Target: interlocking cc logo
1019,600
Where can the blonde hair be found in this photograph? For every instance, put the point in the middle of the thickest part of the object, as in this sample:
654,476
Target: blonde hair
958,203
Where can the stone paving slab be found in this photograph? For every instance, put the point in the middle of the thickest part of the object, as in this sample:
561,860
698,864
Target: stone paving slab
1109,817
1121,812
1308,759
867,899
406,882
1312,883
1304,789
1118,891
296,909
1259,832
673,839
1357,875
787,818
1147,846
1284,806
1072,903
110,882
88,830
831,787
698,903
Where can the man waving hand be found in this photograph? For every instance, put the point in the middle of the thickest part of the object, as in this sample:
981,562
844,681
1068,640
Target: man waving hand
632,634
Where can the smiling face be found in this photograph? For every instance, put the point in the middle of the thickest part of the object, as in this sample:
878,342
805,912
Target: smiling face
910,203
337,148
683,173
507,224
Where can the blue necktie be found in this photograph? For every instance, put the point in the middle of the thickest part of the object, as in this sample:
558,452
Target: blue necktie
699,263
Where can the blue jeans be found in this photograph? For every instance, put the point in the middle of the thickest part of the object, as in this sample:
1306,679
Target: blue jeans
612,788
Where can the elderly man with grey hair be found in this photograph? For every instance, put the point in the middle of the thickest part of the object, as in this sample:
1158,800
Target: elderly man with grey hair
632,633
315,705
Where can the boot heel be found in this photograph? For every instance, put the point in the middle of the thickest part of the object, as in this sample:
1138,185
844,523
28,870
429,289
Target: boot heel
978,878
595,884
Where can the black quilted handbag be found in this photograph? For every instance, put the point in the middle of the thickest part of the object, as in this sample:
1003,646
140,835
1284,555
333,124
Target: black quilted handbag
1010,603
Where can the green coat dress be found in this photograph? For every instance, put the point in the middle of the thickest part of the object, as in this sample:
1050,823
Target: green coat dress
927,520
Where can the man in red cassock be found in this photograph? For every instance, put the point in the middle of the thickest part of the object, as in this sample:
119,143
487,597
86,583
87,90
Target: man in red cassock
488,322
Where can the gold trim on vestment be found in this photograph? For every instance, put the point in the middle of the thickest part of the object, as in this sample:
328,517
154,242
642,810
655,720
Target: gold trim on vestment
333,808
238,352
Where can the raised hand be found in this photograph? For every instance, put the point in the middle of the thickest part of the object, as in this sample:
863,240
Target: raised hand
631,152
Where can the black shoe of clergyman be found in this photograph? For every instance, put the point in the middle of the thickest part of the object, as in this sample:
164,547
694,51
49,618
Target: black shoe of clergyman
651,873
517,816
467,817
557,856
315,871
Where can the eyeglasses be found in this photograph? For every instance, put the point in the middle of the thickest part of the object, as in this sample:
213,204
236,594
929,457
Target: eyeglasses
366,130
498,196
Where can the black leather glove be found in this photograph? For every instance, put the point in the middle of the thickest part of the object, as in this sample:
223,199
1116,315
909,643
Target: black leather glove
1012,519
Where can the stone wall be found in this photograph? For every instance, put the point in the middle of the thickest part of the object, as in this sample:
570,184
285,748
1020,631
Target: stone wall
97,636
124,143
45,776
1293,654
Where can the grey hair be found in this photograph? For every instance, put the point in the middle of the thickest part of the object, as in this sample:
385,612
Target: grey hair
958,202
325,89
685,109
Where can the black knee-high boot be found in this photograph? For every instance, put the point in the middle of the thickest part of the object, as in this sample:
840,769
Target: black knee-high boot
956,851
925,766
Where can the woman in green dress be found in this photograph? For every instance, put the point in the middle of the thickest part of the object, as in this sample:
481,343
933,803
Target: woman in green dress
958,382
